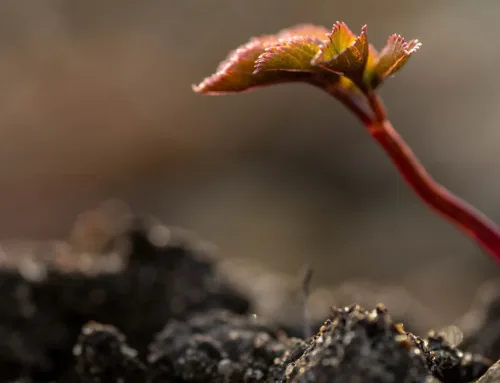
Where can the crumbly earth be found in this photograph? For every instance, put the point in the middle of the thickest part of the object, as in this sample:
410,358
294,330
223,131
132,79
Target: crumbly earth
448,363
45,302
355,345
103,356
358,345
135,301
217,346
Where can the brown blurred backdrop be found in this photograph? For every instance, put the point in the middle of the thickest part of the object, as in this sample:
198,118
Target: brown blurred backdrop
96,103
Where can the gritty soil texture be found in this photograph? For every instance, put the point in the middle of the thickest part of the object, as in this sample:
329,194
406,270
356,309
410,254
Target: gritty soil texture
140,302
43,306
355,345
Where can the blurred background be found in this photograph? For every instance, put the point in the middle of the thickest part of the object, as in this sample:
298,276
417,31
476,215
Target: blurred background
96,103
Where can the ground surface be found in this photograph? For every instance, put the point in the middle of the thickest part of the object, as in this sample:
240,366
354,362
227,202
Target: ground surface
130,300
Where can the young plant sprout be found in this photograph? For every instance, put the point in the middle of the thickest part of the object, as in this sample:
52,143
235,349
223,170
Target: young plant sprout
350,69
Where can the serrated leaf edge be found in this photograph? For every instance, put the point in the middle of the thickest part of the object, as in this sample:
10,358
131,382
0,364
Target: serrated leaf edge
235,55
336,28
317,60
232,58
396,44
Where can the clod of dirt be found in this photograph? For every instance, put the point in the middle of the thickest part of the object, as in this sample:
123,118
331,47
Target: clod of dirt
145,275
448,363
217,346
103,356
357,345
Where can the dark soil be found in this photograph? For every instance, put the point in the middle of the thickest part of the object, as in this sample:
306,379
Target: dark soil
45,303
139,302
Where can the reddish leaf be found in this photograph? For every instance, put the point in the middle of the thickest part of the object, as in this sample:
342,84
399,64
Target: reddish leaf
392,58
238,72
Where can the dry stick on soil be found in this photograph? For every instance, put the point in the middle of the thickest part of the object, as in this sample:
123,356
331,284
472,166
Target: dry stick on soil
348,67
306,291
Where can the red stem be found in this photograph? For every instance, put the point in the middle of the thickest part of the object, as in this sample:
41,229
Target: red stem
471,221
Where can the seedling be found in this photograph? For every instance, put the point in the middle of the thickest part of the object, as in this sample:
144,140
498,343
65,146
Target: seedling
348,67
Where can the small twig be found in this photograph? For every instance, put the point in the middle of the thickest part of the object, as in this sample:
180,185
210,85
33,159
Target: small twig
306,290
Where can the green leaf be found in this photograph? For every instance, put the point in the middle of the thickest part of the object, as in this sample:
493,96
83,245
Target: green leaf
292,54
338,41
258,62
344,53
371,63
392,58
